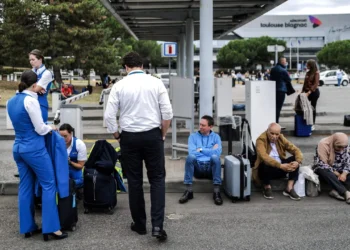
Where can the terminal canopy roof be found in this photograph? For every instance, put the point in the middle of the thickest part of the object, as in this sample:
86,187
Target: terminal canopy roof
164,20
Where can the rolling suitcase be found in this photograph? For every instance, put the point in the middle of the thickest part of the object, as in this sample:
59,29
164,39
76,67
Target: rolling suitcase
237,171
300,127
237,178
67,209
100,191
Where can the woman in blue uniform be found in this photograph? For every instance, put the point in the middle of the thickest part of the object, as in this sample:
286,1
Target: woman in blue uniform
33,160
45,78
76,150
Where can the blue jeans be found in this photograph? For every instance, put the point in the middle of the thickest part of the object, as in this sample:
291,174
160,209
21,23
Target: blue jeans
208,170
339,81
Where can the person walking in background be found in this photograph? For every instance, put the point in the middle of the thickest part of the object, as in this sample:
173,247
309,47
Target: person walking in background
33,160
339,76
45,78
280,75
145,116
310,86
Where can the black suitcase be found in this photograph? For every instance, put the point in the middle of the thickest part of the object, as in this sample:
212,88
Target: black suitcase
347,120
67,209
100,191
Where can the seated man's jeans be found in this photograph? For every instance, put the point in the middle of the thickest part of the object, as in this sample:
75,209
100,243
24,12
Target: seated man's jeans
267,173
207,170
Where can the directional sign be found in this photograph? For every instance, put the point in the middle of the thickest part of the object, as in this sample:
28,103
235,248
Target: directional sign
169,50
272,48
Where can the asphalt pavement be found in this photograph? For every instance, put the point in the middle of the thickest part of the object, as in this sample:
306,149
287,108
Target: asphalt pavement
312,223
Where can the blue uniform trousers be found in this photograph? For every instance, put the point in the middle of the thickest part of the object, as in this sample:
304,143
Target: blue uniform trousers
37,164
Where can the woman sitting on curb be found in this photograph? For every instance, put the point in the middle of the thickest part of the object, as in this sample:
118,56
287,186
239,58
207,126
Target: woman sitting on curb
332,163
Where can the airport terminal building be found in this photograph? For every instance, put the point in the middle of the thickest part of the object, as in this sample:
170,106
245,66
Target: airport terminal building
306,33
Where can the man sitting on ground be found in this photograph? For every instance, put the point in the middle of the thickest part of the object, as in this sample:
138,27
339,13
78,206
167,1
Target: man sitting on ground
272,163
203,160
66,92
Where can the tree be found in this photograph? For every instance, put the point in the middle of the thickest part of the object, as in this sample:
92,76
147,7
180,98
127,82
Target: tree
336,54
74,33
246,53
150,51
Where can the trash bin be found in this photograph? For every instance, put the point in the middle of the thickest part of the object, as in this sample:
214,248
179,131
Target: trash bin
72,114
230,124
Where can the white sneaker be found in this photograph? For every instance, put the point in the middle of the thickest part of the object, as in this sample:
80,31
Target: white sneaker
313,128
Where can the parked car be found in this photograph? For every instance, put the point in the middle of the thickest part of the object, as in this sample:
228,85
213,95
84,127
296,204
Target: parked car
329,77
165,78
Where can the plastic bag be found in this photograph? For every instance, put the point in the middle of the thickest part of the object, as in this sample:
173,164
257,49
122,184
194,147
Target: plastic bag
299,186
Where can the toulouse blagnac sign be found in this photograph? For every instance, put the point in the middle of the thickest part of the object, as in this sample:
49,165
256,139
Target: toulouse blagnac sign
294,23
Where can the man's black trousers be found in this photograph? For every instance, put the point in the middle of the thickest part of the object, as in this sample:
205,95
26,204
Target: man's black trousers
149,147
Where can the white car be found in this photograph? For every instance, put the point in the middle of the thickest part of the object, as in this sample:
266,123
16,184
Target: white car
329,77
165,78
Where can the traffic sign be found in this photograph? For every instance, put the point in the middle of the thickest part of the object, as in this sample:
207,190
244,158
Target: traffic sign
169,50
274,48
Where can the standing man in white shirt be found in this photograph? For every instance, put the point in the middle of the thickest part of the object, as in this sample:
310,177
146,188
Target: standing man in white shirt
145,116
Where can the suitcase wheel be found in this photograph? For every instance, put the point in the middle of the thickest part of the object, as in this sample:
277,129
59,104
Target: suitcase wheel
110,211
86,210
247,198
234,199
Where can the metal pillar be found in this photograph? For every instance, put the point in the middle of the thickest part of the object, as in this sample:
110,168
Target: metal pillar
182,53
190,48
206,58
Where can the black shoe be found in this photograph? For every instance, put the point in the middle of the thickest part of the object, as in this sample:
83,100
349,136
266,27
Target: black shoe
186,196
160,234
55,236
268,193
291,194
37,231
217,198
135,229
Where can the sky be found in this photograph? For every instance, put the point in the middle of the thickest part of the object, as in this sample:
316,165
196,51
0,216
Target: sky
305,7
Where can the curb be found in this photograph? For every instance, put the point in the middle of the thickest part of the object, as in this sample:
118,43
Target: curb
171,186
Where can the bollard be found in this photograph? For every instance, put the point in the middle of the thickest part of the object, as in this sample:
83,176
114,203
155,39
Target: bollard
8,120
104,108
72,114
55,101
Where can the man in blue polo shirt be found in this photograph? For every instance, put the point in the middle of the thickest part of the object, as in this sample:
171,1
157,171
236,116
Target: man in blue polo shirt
203,160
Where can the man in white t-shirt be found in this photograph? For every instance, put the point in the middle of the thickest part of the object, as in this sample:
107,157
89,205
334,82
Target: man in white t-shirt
272,162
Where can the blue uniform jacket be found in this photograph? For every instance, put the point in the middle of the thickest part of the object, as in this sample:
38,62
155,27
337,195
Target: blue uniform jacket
56,147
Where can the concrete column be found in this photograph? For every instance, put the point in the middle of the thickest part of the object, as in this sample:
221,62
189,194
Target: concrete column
182,53
189,48
206,58
178,60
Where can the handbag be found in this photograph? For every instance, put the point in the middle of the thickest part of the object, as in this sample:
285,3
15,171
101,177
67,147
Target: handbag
347,120
290,89
311,189
247,151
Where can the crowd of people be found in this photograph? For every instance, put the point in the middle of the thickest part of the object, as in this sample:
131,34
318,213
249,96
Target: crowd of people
145,116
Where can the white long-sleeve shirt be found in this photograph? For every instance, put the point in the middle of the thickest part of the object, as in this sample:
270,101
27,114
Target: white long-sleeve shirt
32,106
143,103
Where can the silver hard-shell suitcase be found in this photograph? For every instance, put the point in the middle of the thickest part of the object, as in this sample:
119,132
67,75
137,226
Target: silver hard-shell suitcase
237,169
237,178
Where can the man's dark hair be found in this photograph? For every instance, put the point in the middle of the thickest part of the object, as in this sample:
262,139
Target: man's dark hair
209,119
281,58
132,60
